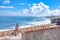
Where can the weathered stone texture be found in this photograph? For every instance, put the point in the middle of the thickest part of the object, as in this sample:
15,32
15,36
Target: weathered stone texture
49,34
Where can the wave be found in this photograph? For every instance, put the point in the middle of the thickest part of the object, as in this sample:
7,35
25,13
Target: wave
47,21
36,23
30,24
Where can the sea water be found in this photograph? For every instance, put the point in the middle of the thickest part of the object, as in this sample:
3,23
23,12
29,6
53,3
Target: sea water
7,22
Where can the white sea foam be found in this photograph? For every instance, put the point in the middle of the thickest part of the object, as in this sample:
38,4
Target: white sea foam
26,26
35,23
41,22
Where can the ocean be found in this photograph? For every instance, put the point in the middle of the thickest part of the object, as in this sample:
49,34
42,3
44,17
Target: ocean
7,22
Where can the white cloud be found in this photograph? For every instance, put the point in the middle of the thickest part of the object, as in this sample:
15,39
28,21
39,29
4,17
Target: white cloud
55,12
6,1
34,4
6,7
22,3
25,11
59,7
9,13
29,5
25,4
40,9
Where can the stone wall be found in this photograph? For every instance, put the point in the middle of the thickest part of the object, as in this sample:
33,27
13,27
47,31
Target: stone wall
46,34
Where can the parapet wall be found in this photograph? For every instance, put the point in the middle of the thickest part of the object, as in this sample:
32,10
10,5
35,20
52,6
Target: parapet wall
44,34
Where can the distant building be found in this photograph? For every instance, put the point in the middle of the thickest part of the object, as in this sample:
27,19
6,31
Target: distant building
55,19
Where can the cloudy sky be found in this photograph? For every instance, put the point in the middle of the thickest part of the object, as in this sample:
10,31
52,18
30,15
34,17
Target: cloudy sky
29,7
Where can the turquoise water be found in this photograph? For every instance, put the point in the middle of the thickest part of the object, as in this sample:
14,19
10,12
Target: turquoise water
10,22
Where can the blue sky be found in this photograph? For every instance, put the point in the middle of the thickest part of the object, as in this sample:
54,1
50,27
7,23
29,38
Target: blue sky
25,7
